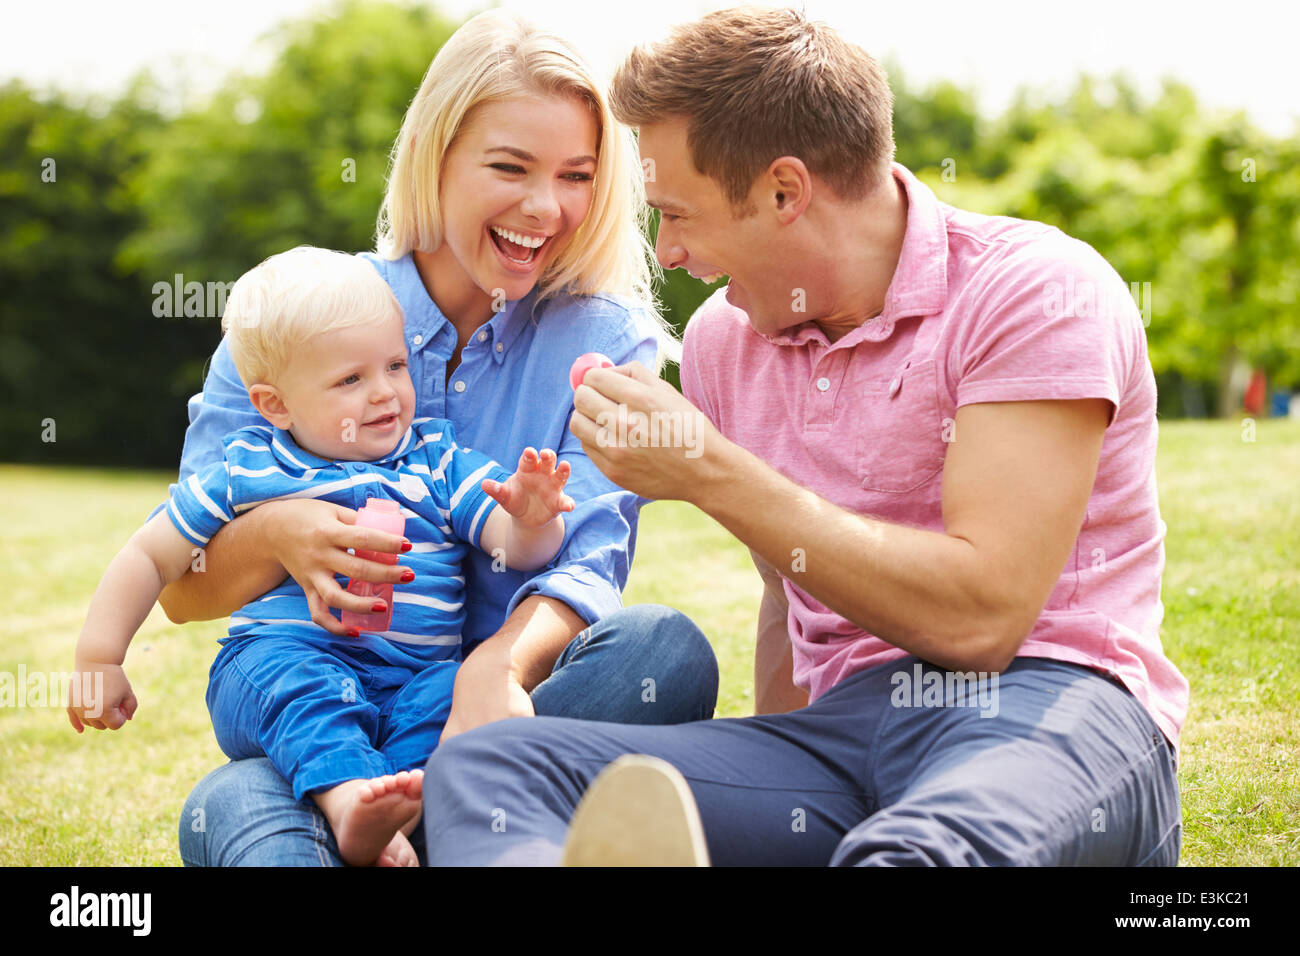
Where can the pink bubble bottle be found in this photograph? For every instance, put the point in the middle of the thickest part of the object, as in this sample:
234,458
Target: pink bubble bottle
584,364
386,516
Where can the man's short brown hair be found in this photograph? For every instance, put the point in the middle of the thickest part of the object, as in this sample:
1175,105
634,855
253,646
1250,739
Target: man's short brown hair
754,84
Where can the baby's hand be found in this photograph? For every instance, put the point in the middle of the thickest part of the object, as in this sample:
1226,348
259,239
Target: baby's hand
99,696
534,494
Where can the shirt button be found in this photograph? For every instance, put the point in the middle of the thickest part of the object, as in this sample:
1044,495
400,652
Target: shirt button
459,386
500,347
893,387
823,384
417,340
482,336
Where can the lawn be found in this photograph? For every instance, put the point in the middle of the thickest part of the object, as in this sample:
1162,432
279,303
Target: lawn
1232,624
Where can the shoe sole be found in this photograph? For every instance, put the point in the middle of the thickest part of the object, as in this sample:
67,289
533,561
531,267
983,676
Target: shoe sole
638,811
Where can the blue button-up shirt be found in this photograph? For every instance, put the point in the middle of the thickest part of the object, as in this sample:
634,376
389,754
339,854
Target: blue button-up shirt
511,390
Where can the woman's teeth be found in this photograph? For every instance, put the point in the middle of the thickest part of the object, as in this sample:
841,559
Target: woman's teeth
516,247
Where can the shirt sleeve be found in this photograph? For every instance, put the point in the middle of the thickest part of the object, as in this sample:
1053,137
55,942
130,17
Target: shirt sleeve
221,408
201,504
464,470
1054,322
591,568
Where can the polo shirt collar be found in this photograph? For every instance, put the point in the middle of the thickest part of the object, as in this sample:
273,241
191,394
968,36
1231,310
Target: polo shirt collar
920,283
297,460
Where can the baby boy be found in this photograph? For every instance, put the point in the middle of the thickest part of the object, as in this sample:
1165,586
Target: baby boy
317,337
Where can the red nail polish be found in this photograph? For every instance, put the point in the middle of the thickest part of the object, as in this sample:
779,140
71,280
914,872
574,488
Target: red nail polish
406,546
377,607
408,576
353,632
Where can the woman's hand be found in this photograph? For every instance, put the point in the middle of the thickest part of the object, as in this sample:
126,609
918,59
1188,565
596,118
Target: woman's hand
486,690
311,538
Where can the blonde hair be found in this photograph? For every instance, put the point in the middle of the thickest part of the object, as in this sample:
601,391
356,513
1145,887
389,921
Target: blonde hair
306,291
496,56
754,84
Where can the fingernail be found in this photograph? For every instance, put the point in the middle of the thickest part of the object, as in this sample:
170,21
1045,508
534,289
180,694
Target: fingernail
353,632
406,546
408,575
378,607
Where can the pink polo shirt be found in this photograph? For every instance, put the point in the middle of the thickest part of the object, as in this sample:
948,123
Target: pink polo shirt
980,309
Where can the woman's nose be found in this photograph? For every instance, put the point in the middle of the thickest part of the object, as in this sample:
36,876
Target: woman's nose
540,203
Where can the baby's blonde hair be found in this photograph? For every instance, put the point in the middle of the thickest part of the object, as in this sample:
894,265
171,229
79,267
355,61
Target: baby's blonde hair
496,56
276,306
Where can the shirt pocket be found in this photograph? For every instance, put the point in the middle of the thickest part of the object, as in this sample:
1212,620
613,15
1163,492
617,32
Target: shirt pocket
901,442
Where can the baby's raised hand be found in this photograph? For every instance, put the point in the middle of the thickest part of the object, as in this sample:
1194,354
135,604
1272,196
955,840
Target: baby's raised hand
99,696
534,494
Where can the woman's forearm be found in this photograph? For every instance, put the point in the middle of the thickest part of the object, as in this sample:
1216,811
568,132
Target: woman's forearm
237,565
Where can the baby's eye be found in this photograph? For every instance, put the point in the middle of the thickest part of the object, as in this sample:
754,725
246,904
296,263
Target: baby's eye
350,379
400,363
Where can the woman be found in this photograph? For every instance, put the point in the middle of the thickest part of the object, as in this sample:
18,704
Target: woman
510,235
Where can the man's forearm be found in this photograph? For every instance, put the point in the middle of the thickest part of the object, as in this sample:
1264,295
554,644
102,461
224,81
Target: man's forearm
919,590
237,565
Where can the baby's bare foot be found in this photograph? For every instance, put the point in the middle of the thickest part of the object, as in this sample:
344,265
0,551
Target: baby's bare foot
399,852
379,809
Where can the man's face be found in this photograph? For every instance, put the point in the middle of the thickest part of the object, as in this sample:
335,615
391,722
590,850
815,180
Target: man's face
697,232
348,392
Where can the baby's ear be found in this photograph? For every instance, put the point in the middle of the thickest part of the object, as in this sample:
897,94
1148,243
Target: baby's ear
270,405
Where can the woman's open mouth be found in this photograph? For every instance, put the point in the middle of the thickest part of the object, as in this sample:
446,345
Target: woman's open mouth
518,251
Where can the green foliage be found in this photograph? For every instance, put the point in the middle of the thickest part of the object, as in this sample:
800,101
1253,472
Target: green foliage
1203,207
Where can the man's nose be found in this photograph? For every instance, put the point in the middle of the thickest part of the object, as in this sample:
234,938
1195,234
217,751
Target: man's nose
668,250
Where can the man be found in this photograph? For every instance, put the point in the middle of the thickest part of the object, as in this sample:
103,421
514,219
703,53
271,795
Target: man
935,430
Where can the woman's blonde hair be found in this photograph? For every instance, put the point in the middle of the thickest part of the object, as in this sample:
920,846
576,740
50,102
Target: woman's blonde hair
496,56
277,305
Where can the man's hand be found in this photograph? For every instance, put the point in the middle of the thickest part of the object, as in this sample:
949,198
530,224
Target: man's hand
534,494
641,432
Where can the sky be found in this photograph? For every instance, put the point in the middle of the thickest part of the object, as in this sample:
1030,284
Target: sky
1235,56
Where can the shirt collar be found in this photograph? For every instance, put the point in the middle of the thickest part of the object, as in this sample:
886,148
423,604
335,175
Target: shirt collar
504,326
296,459
920,283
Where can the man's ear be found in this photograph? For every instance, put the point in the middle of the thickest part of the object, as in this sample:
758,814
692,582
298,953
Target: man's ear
789,187
270,405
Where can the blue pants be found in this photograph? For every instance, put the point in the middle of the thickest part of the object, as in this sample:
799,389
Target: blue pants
1058,766
327,712
642,664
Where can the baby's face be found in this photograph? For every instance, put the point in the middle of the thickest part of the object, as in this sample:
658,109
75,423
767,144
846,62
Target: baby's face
349,393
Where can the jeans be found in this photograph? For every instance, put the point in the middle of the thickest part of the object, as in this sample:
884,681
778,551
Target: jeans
644,664
1048,764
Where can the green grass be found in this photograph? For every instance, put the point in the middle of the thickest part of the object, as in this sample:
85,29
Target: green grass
1232,625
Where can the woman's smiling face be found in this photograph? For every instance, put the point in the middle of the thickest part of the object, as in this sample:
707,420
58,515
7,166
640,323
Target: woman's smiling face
516,185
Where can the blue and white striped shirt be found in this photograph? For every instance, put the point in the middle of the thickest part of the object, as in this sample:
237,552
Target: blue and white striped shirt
435,482
511,390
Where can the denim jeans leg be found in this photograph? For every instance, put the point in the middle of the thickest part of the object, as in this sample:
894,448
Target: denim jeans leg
244,814
645,664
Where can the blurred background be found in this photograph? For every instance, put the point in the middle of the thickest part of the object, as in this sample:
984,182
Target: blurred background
151,153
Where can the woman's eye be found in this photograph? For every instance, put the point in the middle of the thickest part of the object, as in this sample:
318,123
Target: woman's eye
508,168
578,177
